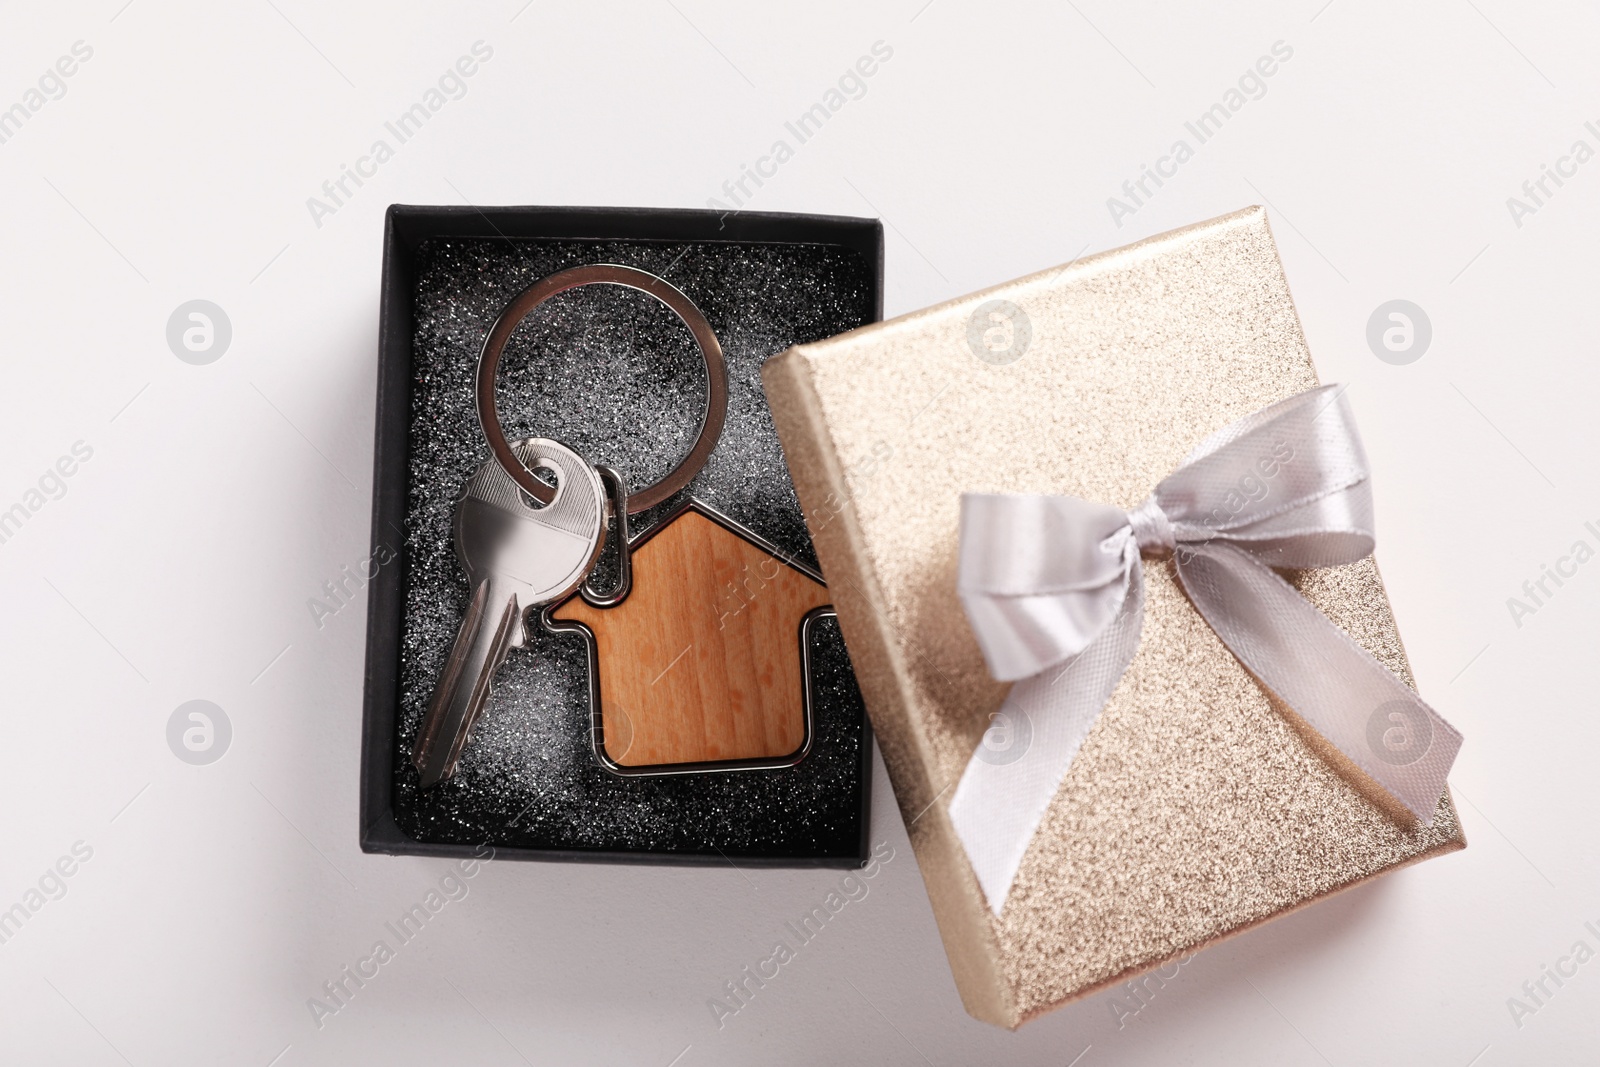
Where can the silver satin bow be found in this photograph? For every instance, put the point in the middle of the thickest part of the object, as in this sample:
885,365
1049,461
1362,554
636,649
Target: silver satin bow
1054,589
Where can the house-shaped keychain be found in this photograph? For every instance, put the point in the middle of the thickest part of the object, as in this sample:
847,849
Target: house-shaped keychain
702,664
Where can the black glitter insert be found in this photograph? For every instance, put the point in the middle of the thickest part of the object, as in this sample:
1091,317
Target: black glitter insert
613,374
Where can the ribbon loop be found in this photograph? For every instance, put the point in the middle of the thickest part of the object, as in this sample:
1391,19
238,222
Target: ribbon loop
1044,574
1054,589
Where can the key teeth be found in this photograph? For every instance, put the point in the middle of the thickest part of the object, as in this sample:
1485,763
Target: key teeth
421,760
446,771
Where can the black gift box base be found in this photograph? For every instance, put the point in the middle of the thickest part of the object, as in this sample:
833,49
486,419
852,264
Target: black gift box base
394,818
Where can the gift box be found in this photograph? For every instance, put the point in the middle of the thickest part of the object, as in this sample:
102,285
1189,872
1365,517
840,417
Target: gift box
1199,804
616,376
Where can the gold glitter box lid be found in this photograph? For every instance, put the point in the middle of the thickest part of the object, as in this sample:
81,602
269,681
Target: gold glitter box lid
1198,806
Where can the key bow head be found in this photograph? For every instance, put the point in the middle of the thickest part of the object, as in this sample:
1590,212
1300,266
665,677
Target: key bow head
545,552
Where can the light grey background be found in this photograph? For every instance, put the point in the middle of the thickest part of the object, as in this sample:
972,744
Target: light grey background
219,498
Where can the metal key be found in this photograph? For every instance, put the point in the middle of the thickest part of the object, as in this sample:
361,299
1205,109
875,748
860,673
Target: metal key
517,557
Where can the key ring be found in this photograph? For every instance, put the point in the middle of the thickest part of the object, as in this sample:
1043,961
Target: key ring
632,278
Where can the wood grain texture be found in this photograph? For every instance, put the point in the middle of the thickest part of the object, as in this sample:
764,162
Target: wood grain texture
702,661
